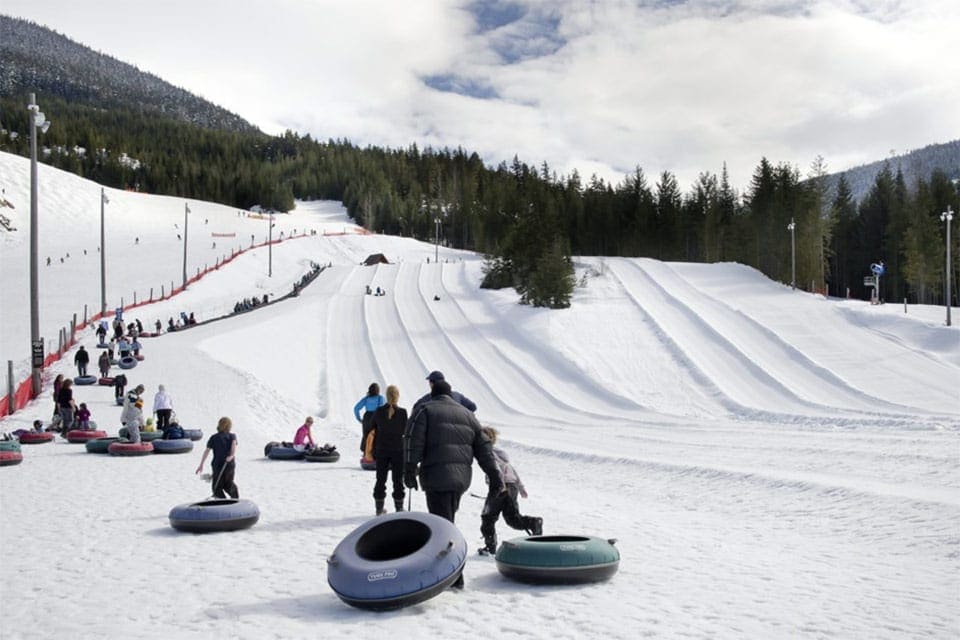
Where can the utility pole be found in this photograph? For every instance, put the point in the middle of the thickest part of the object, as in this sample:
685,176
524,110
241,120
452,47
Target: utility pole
37,121
947,216
793,254
186,210
436,250
103,253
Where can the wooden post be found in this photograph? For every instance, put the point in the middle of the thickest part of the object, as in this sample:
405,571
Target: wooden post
73,329
151,294
84,313
162,293
10,406
134,298
60,345
904,305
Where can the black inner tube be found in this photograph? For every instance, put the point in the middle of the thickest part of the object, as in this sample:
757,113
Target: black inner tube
557,539
392,540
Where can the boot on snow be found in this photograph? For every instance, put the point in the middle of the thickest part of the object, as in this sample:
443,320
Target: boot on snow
398,505
489,547
380,509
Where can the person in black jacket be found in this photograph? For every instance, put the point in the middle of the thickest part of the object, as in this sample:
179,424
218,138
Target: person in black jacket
82,359
432,379
441,441
389,423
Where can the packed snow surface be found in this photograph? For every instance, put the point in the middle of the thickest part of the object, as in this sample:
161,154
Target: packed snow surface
773,464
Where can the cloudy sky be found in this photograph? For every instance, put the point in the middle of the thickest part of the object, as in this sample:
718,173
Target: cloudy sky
600,86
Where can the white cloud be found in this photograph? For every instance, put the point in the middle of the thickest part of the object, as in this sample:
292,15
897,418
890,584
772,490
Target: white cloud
601,87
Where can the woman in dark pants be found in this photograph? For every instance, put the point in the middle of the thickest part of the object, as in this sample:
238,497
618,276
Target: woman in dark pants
223,444
389,423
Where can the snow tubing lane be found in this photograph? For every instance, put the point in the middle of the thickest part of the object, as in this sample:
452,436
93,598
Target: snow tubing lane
214,515
10,458
127,362
177,445
279,452
331,456
83,435
558,559
145,436
36,437
105,381
368,464
129,449
84,380
395,560
100,445
193,434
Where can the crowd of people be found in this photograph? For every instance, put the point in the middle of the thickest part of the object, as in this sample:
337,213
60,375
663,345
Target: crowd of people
250,303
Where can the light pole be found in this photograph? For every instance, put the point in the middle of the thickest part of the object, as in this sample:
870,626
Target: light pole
947,216
270,245
104,200
186,210
436,251
793,254
36,121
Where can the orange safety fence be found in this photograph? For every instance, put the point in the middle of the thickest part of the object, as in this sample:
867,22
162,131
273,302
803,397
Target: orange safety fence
23,392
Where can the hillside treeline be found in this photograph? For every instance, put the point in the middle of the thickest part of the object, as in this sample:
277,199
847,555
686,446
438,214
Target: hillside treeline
527,218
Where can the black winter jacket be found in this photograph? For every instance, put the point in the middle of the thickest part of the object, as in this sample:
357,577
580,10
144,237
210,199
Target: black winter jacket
389,439
443,438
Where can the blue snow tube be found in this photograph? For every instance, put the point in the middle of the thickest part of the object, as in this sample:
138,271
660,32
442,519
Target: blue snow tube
193,434
127,362
85,380
214,515
396,560
177,445
558,559
280,452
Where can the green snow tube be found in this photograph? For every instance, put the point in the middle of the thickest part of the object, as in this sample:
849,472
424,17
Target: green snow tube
99,445
558,559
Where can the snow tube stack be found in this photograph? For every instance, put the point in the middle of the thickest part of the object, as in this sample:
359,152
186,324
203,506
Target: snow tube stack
10,458
100,445
396,560
9,445
326,453
83,435
558,559
277,451
214,515
145,436
36,437
177,445
129,449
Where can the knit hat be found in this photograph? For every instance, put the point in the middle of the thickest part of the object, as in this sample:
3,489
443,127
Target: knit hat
435,376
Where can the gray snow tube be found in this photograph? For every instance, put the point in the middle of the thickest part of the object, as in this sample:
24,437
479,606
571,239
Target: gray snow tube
395,560
214,515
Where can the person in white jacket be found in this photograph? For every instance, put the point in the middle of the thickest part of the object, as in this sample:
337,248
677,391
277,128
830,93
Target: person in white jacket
132,415
162,408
